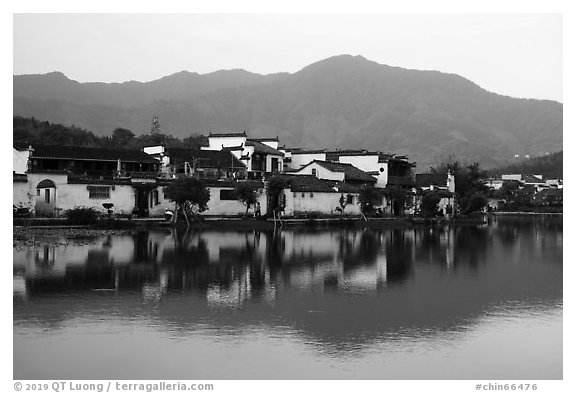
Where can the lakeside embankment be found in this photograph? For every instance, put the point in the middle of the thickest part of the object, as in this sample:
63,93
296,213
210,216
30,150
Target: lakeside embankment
527,213
253,223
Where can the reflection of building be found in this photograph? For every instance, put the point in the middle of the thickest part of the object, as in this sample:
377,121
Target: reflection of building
321,283
229,268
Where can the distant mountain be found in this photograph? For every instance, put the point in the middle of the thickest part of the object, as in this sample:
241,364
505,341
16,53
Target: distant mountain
341,102
549,166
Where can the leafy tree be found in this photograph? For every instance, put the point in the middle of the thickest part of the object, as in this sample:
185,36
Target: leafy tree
190,196
475,203
247,193
275,185
122,138
369,198
399,197
469,184
195,141
31,130
429,204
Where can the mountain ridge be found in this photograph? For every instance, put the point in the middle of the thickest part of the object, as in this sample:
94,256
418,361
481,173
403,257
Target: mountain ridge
344,101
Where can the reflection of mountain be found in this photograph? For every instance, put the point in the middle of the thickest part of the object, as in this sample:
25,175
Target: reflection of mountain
342,287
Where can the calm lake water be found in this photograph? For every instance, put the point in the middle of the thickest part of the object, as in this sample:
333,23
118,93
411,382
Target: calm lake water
468,302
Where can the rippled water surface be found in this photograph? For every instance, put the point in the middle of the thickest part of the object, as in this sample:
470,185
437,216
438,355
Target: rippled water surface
413,303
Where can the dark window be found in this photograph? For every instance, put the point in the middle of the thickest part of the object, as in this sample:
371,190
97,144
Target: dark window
38,192
98,192
313,171
349,199
303,195
47,195
227,195
155,197
311,195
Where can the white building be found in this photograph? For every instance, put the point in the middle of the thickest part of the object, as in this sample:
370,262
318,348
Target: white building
260,156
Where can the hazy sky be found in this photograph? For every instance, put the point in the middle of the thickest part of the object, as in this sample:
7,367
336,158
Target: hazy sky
513,54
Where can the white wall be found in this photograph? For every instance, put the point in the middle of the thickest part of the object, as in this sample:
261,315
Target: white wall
250,151
451,183
299,160
367,163
269,167
22,195
20,160
382,178
217,207
321,172
320,202
70,196
272,144
216,142
153,150
512,177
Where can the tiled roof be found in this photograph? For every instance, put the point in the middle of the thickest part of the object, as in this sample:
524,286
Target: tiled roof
402,181
20,146
231,183
389,157
268,139
233,148
335,154
19,177
227,135
91,153
351,173
260,147
300,151
532,179
310,183
205,158
552,192
82,179
431,179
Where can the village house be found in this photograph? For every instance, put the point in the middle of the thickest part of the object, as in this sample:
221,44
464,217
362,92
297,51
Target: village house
59,178
336,171
307,194
260,156
387,169
549,197
219,169
198,163
442,183
129,182
384,167
51,179
300,157
525,180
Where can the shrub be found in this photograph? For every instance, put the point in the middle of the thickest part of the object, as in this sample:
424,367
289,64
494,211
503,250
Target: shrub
82,216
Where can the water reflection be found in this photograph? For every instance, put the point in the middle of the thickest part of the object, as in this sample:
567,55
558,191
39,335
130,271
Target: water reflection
341,290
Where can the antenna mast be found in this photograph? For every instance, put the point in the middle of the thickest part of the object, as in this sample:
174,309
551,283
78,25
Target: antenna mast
155,129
